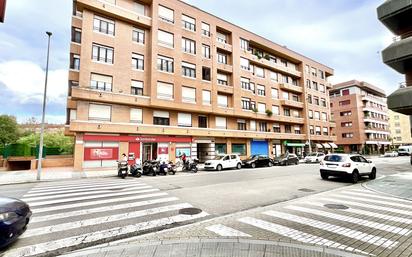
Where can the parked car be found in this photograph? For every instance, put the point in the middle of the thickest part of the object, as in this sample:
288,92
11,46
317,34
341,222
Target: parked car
315,157
391,154
347,165
227,161
258,161
286,159
405,150
14,218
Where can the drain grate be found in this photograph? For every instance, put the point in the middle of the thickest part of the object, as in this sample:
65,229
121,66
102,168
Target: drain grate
336,206
306,190
190,211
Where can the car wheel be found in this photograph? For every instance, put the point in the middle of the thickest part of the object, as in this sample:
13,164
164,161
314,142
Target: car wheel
355,177
219,167
324,176
297,162
373,174
239,166
253,165
270,164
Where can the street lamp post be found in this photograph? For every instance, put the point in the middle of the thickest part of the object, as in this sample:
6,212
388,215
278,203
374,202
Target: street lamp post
49,34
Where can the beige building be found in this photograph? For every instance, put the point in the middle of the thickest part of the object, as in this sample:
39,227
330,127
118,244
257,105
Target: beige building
361,115
400,127
156,79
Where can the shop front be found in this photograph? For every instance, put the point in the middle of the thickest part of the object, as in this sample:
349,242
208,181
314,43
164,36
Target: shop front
259,147
295,147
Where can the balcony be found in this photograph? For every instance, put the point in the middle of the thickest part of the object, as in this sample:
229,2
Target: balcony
290,87
376,131
399,55
271,65
224,46
400,101
375,110
396,15
291,103
116,11
225,89
225,67
369,119
374,99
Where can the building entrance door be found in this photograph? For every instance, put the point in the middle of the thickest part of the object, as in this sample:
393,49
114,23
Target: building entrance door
149,152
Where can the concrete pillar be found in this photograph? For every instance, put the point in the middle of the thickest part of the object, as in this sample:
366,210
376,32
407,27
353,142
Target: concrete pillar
123,148
229,145
78,155
248,147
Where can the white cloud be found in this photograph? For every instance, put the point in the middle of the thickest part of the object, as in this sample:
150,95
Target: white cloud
26,80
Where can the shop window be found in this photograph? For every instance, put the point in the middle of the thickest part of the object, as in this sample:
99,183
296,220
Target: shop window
239,149
220,148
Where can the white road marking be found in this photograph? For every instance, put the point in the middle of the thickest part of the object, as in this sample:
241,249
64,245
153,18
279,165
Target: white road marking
409,206
222,230
366,194
82,189
369,213
81,198
101,220
101,209
99,235
105,201
371,239
53,189
357,221
48,197
294,234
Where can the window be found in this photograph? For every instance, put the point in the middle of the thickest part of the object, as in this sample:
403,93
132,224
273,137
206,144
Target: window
398,131
188,70
288,129
202,120
244,44
275,93
245,84
316,100
322,88
297,130
324,116
259,72
308,84
295,98
138,35
261,90
312,130
102,53
347,135
74,61
283,63
345,92
206,97
223,38
221,122
137,87
188,23
325,131
285,95
100,112
296,113
241,125
188,95
275,110
397,124
317,115
222,58
246,104
346,114
321,74
206,51
261,107
136,115
343,103
101,82
346,124
315,85
396,117
165,64
206,74
161,118
139,8
323,102
103,25
310,99
205,29
244,64
220,148
222,79
307,69
286,112
273,76
318,131
253,125
314,72
188,46
165,38
137,61
164,91
184,119
166,14
276,128
222,101
310,114
263,126
76,35
73,114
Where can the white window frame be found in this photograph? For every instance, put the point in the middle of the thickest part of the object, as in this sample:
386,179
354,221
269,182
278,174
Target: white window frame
165,95
188,94
97,112
184,119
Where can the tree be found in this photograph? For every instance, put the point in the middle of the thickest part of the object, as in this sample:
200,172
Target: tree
9,130
51,140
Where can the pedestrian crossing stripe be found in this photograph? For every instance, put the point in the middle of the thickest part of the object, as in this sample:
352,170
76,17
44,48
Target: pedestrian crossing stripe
225,231
390,203
368,194
41,188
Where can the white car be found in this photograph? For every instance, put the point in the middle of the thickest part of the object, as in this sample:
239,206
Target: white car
227,161
391,154
347,165
314,157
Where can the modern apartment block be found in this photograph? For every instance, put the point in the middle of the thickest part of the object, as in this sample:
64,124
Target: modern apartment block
2,10
156,79
361,115
400,127
396,16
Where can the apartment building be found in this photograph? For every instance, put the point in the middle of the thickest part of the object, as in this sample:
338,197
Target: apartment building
361,115
156,79
2,10
400,128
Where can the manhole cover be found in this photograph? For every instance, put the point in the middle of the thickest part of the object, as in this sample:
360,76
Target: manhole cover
306,190
190,211
336,206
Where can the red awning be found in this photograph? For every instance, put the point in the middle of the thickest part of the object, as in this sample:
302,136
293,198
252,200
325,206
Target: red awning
143,139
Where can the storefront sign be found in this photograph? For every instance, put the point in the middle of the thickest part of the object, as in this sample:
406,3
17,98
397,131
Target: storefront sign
101,153
163,150
148,139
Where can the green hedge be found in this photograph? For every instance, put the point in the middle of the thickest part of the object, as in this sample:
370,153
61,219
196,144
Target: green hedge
22,150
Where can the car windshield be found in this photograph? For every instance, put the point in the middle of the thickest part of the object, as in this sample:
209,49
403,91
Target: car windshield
334,158
219,157
252,157
283,156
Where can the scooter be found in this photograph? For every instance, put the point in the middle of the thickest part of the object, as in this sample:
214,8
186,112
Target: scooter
170,168
191,165
122,169
149,168
136,170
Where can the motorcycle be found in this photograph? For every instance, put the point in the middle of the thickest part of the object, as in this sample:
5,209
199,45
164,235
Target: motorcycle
136,170
191,165
170,168
122,169
150,168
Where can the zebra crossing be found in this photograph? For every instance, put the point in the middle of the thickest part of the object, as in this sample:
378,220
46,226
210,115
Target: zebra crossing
74,215
356,220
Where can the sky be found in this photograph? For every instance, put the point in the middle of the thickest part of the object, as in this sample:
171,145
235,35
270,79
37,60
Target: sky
342,34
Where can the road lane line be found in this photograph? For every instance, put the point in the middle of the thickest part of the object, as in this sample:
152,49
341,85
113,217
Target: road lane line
101,209
370,239
88,238
101,220
222,230
357,221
